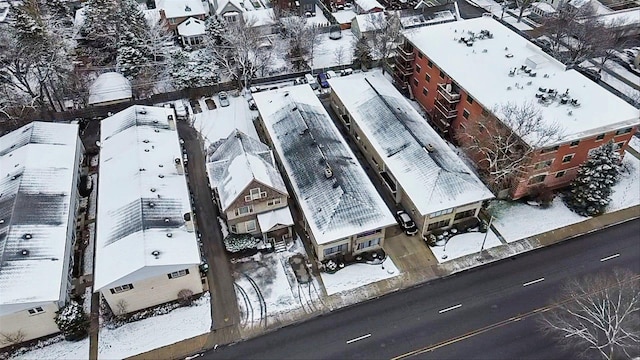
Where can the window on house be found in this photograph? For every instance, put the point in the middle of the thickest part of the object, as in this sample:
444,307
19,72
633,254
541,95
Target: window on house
620,145
574,143
335,250
420,55
430,64
244,210
427,77
255,193
418,68
567,158
551,149
560,174
543,164
438,224
465,214
537,179
121,289
425,91
172,21
36,310
233,229
177,274
251,225
369,243
469,99
623,131
415,82
465,114
441,74
441,212
600,137
274,202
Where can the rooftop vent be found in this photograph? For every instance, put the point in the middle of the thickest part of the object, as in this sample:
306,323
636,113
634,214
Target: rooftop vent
295,108
166,220
328,173
155,121
170,117
145,141
153,189
1,221
286,94
187,8
146,150
160,165
143,169
143,111
152,204
169,234
160,176
24,252
430,148
176,160
27,236
156,130
155,253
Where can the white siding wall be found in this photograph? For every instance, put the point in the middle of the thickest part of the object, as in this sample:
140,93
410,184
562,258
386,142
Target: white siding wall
32,326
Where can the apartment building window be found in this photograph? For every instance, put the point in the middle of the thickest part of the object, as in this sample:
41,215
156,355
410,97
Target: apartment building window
427,77
274,202
121,289
574,143
537,179
36,311
369,243
485,112
440,213
233,229
560,174
465,114
418,68
619,145
441,74
425,91
251,225
244,210
465,214
420,55
600,137
438,224
177,274
335,250
430,64
469,99
551,149
415,82
543,164
623,131
567,158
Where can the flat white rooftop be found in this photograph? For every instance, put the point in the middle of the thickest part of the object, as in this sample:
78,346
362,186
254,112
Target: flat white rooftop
434,179
483,68
306,140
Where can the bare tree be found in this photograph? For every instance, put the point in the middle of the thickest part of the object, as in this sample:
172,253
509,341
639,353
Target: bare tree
301,37
156,37
522,6
386,34
338,53
598,315
503,147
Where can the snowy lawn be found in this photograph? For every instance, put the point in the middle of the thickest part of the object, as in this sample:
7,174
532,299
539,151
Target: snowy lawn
218,123
516,220
327,51
635,143
61,349
464,244
319,19
356,275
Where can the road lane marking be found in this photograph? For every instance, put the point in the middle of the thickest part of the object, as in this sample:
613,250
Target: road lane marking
533,282
610,257
358,338
449,308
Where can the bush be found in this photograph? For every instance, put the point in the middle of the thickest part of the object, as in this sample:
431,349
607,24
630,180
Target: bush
238,242
543,196
185,297
72,321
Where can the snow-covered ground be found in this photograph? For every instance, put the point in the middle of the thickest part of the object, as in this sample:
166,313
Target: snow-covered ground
614,82
464,244
357,275
327,52
136,337
319,19
635,143
496,9
344,16
516,220
218,123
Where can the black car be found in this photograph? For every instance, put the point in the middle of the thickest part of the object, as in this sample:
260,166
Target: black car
590,73
408,225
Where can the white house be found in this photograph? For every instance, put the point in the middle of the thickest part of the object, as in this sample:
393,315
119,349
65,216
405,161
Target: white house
420,170
191,31
368,6
542,9
109,88
146,249
365,24
40,170
343,213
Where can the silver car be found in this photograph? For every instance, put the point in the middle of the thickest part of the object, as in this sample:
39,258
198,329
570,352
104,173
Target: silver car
224,98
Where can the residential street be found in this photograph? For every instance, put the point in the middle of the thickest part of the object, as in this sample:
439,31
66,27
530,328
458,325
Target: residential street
224,307
485,314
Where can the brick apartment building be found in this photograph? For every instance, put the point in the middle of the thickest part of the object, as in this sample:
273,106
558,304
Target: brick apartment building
460,71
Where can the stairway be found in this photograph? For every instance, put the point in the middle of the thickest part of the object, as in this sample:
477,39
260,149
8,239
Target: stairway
280,245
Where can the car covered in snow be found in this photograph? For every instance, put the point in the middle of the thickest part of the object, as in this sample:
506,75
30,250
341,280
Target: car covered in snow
224,98
181,110
408,225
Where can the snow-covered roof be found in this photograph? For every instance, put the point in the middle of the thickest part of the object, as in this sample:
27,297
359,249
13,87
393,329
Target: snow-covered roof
544,7
191,27
180,8
423,19
434,179
229,6
239,161
368,5
620,18
109,86
142,199
306,141
260,17
370,21
344,16
38,171
482,70
270,219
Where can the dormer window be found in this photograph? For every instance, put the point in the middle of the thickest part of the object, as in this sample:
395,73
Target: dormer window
187,8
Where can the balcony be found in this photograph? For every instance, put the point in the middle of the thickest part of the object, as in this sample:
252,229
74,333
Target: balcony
405,54
445,109
445,90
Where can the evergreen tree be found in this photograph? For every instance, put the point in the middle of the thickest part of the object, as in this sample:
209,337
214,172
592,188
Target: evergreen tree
187,72
131,58
590,192
72,321
362,53
215,29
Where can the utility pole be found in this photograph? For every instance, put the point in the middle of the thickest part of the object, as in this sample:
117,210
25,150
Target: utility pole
479,258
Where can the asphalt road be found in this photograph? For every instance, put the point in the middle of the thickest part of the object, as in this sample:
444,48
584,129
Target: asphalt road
487,313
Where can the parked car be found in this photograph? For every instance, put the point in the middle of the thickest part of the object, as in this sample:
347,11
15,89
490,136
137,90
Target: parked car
406,223
346,72
322,79
331,74
224,98
181,110
252,105
590,73
299,81
311,81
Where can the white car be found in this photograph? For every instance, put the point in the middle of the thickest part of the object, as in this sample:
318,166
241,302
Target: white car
224,98
181,110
